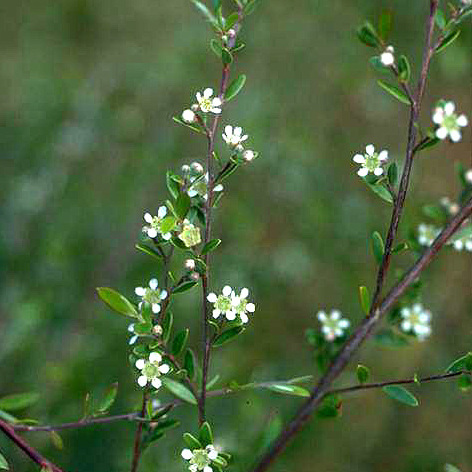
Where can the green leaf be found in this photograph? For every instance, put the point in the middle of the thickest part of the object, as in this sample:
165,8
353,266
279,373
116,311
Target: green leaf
149,251
56,440
392,174
7,417
216,47
211,383
191,441
400,394
463,363
271,431
330,407
182,205
378,247
179,342
179,390
440,19
168,224
464,382
117,302
3,462
364,298
226,56
235,87
231,20
227,336
380,190
404,69
287,389
399,248
385,24
188,125
367,35
210,246
184,287
205,434
18,401
206,13
109,398
172,184
167,320
189,363
448,40
362,373
250,6
427,143
394,91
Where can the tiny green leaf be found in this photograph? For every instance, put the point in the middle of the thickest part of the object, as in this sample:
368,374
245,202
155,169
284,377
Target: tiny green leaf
226,56
191,441
392,174
231,20
56,440
364,298
380,190
188,125
367,35
189,363
179,342
18,401
363,373
206,13
167,320
462,363
427,143
400,394
216,47
287,389
179,390
172,185
227,336
250,6
149,251
205,434
378,247
448,40
404,69
184,287
109,398
182,205
117,302
440,19
3,462
464,382
399,248
210,246
235,87
394,91
376,63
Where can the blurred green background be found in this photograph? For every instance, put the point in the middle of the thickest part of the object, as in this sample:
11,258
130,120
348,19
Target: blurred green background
88,92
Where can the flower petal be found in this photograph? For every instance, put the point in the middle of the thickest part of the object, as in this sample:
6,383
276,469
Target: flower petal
370,149
142,380
359,159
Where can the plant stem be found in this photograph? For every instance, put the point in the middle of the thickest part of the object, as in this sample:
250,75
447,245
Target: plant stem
211,134
137,436
34,455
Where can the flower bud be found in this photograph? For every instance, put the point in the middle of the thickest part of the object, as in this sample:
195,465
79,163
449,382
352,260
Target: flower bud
157,330
195,276
231,33
185,169
190,264
248,155
188,116
387,58
197,167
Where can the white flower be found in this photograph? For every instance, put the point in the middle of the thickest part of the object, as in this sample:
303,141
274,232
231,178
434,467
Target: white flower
468,176
200,187
154,222
427,234
463,243
448,122
188,116
190,264
222,304
416,319
249,155
234,136
387,58
200,459
333,325
151,295
151,370
371,161
207,103
451,207
241,306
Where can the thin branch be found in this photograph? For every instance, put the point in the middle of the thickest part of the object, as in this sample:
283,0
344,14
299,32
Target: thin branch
137,437
206,342
34,455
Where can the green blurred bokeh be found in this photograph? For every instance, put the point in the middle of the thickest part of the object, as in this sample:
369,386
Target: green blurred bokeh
88,92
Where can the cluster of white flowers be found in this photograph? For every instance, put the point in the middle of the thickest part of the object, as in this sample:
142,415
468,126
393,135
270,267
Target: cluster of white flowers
371,161
387,58
153,229
333,325
416,319
448,123
451,207
198,183
200,459
152,295
151,370
427,234
231,305
234,137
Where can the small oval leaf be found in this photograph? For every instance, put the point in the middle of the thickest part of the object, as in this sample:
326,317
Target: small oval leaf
179,390
117,302
18,401
210,246
235,87
289,389
179,342
400,394
227,336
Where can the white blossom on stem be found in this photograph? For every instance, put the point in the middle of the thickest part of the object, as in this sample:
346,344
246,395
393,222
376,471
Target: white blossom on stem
223,304
208,103
371,161
416,319
241,306
188,116
153,229
234,136
333,325
152,295
448,123
387,58
200,459
151,370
